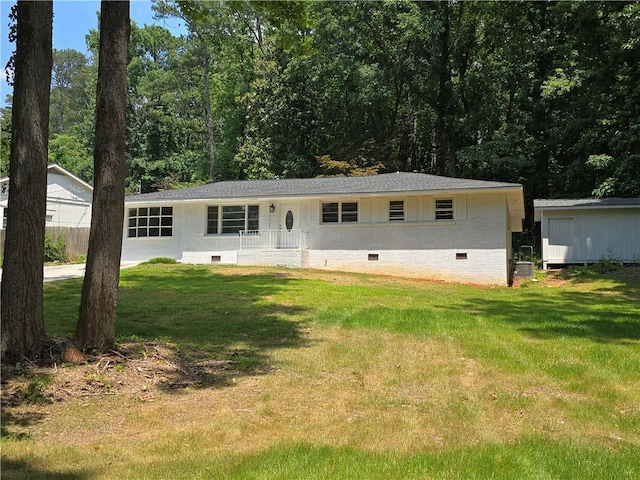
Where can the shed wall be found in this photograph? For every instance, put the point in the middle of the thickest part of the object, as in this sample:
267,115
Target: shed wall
586,236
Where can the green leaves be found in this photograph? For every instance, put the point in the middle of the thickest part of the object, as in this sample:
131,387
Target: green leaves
540,93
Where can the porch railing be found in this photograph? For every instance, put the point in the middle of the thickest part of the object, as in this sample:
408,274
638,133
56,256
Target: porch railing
272,239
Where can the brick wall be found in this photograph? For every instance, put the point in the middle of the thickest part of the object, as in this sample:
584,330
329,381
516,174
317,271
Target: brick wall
474,247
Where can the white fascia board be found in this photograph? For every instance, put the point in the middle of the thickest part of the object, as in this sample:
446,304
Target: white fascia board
586,207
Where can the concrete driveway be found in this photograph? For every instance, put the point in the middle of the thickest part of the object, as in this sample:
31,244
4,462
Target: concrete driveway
64,272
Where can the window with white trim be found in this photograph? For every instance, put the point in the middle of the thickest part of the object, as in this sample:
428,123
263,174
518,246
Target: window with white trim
212,220
396,211
230,219
150,222
444,209
339,212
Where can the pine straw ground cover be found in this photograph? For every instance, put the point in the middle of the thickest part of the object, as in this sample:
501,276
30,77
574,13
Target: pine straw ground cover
246,373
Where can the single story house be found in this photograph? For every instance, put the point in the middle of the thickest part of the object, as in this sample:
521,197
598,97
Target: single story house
586,230
68,199
409,224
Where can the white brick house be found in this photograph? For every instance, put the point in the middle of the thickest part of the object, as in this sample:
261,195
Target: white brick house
408,224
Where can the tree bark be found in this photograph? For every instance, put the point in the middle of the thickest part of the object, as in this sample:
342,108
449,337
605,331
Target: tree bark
208,120
444,121
23,332
97,318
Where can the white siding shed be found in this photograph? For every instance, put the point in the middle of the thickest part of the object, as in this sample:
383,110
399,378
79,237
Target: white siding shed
582,231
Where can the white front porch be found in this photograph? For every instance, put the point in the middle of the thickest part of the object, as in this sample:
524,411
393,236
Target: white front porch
274,248
273,239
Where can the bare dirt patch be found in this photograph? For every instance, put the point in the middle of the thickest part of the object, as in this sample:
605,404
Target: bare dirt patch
136,369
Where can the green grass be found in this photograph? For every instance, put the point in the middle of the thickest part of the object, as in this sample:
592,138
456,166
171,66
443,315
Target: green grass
528,459
341,376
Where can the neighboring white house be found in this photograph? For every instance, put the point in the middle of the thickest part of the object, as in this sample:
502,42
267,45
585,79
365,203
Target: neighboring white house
68,199
585,230
398,224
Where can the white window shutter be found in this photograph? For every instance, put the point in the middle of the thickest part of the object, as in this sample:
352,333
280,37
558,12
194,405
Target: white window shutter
460,204
411,209
429,209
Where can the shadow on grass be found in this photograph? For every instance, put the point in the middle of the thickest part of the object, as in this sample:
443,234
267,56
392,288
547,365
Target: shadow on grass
598,315
210,326
20,469
178,327
625,280
21,420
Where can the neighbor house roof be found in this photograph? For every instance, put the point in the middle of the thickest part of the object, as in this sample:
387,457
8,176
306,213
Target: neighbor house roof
55,168
582,204
400,182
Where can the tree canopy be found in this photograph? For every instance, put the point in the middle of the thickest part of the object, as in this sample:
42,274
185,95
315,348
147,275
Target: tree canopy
542,93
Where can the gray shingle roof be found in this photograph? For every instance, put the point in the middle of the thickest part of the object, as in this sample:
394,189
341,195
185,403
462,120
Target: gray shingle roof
585,202
401,182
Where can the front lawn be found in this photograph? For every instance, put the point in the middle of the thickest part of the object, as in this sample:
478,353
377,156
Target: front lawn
250,373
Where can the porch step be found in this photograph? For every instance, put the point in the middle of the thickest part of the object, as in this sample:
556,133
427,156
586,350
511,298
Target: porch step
283,257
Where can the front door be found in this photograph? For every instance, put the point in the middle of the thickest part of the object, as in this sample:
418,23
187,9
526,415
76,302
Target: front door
289,226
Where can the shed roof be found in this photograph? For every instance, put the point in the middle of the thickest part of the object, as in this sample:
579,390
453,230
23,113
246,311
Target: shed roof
401,182
542,204
585,202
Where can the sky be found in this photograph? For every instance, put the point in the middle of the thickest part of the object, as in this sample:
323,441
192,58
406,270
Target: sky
72,20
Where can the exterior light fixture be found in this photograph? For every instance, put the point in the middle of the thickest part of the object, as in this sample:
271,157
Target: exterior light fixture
272,208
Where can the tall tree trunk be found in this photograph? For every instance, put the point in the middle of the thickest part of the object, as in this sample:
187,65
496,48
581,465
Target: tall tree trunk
97,319
444,120
539,127
211,139
61,114
23,331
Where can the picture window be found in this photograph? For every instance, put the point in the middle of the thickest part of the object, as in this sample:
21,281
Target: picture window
150,222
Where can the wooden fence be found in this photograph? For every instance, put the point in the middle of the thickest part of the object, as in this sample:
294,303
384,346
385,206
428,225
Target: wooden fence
76,239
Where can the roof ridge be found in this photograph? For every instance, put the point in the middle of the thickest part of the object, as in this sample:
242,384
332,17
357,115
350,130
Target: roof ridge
393,183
